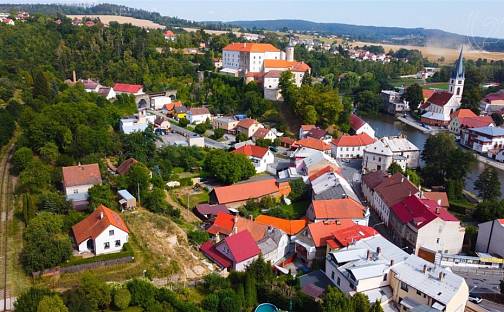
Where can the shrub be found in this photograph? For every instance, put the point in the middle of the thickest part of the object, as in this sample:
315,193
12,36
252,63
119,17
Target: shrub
122,298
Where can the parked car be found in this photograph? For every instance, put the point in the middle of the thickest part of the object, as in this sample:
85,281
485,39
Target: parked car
474,298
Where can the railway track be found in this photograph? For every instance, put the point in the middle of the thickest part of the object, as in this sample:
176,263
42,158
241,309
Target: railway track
5,210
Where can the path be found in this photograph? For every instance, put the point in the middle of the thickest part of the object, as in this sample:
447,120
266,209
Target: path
5,214
187,214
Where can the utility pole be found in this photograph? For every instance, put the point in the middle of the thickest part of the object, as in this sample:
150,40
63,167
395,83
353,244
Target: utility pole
138,194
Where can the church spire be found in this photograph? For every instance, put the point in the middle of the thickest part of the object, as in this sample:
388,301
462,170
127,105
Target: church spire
458,71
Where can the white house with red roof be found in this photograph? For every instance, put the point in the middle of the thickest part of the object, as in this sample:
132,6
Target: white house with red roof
248,56
265,134
260,156
248,127
422,223
198,115
351,146
126,88
103,231
77,180
360,126
169,35
493,102
490,236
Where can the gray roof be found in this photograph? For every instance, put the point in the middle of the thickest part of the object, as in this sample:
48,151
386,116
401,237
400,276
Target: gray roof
410,272
490,131
458,71
270,241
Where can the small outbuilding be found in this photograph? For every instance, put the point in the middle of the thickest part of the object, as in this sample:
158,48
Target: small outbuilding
126,201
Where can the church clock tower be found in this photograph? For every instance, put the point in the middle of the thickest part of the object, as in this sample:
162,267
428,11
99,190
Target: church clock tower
456,85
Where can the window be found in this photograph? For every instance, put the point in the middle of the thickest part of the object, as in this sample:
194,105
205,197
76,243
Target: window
385,277
76,191
332,275
106,245
338,282
437,240
117,243
404,286
418,292
111,232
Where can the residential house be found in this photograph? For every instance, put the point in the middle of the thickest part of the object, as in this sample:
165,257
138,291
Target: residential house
393,101
272,73
248,127
107,92
198,115
370,181
319,134
225,224
274,245
290,227
180,112
103,231
169,35
377,268
311,243
327,183
490,235
206,211
416,281
235,252
351,146
158,102
439,197
483,139
493,102
225,122
77,180
238,194
264,134
161,123
314,162
387,150
90,85
313,144
136,123
126,200
338,209
360,126
304,129
424,223
125,166
131,89
389,192
260,156
169,109
457,117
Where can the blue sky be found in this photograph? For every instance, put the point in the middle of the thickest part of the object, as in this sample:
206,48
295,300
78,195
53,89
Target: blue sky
469,17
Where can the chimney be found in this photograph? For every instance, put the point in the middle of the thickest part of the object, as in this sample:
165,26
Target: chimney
407,177
74,76
424,270
217,238
441,276
438,210
235,224
378,250
368,257
338,221
391,262
101,215
402,178
439,202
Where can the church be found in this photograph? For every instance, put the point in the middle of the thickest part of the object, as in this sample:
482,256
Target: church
439,107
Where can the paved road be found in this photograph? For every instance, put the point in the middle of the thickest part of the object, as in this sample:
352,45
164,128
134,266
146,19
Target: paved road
185,132
491,306
481,280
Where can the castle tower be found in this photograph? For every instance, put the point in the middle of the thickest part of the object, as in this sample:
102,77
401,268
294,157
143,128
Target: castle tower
289,51
456,85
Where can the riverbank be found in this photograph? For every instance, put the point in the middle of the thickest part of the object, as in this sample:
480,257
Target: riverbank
415,124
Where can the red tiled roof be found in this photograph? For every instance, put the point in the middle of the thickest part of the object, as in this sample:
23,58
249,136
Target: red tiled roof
427,93
313,144
207,209
316,133
322,231
373,179
307,127
261,133
356,122
209,250
252,151
97,222
362,139
223,223
81,175
287,140
246,123
501,221
291,227
126,165
346,236
395,188
496,96
476,122
251,47
169,33
242,246
435,196
321,172
290,65
171,106
463,113
342,208
440,98
127,88
249,190
420,212
199,111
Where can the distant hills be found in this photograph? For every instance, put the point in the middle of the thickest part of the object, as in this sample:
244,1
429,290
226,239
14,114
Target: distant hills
391,35
378,34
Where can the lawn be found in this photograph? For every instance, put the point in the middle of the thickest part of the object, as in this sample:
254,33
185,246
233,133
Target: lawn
296,210
406,82
437,85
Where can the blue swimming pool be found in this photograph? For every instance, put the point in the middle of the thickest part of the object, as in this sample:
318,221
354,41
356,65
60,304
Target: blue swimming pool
266,307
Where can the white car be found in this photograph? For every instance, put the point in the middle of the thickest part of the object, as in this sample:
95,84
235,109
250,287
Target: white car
475,298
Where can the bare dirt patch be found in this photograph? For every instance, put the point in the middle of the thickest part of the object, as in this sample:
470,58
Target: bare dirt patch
106,19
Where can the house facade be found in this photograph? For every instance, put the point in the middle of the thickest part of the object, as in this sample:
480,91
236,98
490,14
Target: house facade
103,231
198,115
248,57
379,155
490,235
493,102
248,127
351,146
77,180
131,89
483,139
338,209
260,156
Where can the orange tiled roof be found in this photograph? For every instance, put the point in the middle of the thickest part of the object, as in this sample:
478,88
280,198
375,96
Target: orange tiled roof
291,227
435,196
463,112
362,139
291,65
251,47
249,190
342,208
126,165
322,231
427,93
224,224
252,151
313,144
171,106
246,123
307,127
94,224
321,172
345,236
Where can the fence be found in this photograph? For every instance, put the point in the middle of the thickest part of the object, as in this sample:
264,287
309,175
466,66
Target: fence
83,267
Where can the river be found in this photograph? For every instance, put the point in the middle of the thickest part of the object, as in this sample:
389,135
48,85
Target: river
385,125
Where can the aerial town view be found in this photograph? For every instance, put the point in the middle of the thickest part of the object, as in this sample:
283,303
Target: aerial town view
252,156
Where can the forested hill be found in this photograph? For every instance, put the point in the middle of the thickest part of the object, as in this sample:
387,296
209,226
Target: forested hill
394,35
